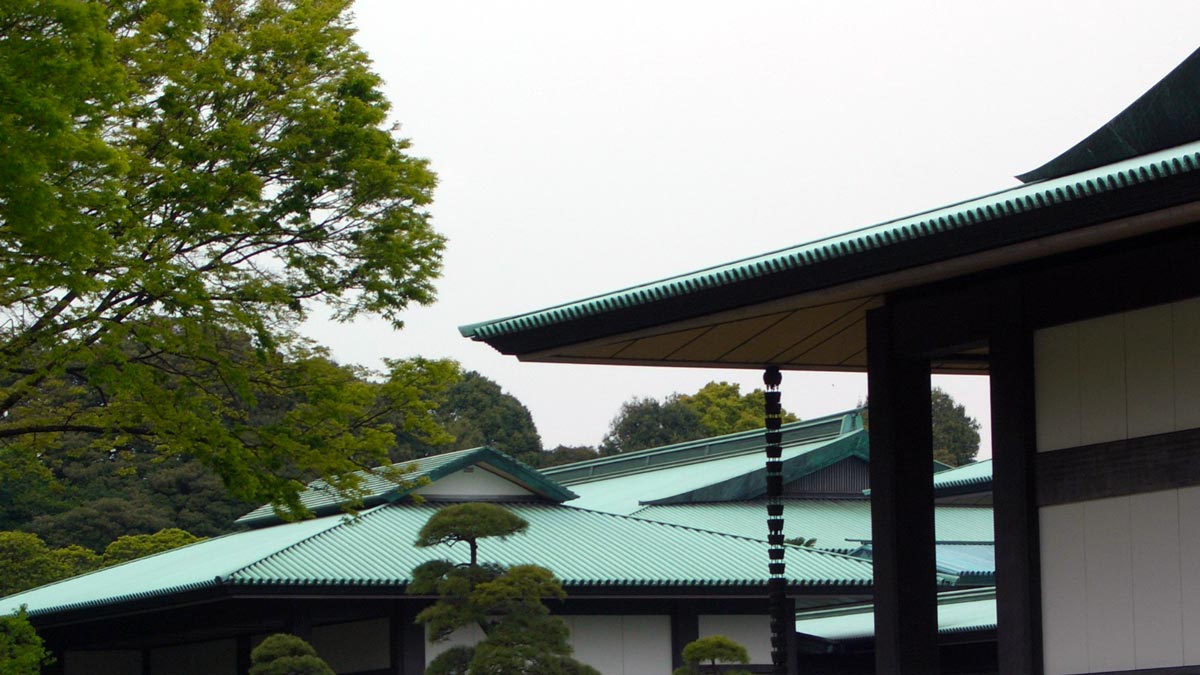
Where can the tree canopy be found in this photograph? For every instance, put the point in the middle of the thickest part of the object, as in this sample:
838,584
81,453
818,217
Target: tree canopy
718,408
706,654
507,604
22,651
955,434
284,654
179,180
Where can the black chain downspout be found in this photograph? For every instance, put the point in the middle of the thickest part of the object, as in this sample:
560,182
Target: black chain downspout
781,623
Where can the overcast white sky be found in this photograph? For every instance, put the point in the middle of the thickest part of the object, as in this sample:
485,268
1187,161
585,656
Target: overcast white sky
586,146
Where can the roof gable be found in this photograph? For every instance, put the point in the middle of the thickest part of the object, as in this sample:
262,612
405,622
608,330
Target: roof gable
321,499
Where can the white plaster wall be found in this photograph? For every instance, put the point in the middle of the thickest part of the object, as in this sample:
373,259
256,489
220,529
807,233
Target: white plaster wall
473,482
612,644
122,662
1121,583
752,631
354,646
202,658
466,636
1120,376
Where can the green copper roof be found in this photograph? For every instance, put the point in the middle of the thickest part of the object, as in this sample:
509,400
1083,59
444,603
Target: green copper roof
836,524
973,476
584,548
724,477
958,612
1166,116
322,499
705,449
951,231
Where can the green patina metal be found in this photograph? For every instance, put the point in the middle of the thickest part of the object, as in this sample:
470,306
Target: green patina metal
321,499
855,250
376,550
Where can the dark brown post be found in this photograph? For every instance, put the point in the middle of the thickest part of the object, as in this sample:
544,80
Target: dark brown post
901,504
1014,449
783,620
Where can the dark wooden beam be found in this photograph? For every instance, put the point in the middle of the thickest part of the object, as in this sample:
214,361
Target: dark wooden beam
1117,468
901,504
407,640
1015,509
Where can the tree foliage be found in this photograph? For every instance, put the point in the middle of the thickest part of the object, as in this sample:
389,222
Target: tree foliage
179,179
133,546
955,434
22,651
469,523
520,635
706,655
718,408
477,412
284,654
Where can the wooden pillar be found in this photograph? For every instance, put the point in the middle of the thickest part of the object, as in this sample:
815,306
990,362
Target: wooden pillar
1015,512
685,628
243,650
407,640
902,530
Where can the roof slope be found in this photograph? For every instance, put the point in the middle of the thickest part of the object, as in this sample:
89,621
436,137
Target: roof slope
727,468
958,612
973,477
839,525
375,551
378,488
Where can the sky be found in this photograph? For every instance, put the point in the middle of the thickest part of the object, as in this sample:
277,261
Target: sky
584,146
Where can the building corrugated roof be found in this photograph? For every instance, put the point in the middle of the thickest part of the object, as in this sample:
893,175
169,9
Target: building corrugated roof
378,488
839,525
974,475
958,612
962,215
586,549
716,477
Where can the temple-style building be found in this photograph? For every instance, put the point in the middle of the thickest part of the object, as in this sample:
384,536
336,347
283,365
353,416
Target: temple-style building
1078,293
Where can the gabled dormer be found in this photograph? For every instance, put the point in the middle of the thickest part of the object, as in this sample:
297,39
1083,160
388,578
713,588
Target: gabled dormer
478,474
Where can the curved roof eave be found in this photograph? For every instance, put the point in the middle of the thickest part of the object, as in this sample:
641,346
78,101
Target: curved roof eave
846,268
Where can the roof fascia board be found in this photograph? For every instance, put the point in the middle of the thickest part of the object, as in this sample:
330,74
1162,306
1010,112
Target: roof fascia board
875,289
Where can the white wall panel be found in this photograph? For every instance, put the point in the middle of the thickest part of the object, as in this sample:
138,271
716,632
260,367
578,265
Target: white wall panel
597,642
646,644
1157,583
1056,380
752,631
473,482
466,636
1102,415
1149,369
1064,593
1186,353
354,646
114,662
1109,573
1189,569
202,658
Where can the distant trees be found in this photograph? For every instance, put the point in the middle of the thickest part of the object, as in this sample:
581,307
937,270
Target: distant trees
477,412
718,408
27,562
955,434
520,635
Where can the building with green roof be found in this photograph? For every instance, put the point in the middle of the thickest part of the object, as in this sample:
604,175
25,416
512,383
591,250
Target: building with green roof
638,588
1078,294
